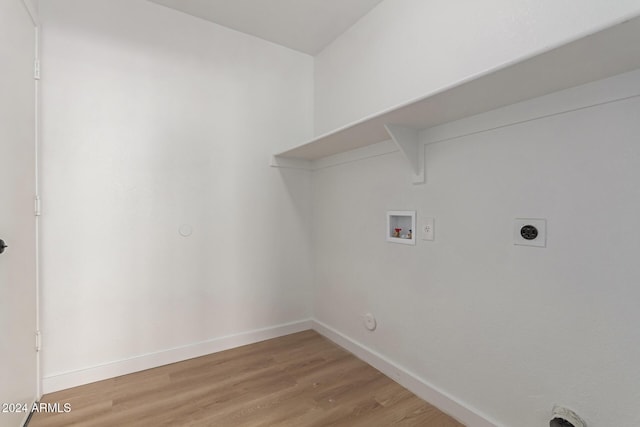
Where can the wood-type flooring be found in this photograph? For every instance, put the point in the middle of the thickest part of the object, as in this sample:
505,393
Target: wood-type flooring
296,380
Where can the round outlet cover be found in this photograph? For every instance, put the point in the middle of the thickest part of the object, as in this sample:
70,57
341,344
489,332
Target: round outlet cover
185,230
370,322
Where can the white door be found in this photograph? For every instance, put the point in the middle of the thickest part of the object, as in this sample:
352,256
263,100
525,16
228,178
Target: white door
18,372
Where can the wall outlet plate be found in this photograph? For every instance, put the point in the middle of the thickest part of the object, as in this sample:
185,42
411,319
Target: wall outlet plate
370,322
530,232
427,230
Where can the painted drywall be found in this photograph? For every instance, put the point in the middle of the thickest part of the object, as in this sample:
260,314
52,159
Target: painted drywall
151,120
405,49
508,331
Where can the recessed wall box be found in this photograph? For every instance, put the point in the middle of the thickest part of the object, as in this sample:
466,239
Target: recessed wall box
401,227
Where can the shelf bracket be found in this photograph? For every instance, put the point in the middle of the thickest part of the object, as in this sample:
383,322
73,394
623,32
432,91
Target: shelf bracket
408,141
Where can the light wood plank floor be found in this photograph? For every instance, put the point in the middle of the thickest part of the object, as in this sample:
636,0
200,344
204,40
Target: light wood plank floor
296,380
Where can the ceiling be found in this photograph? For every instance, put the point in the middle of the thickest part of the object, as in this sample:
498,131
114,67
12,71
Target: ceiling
304,25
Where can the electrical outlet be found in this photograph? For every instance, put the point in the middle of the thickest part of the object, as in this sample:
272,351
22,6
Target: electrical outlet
530,232
370,322
428,229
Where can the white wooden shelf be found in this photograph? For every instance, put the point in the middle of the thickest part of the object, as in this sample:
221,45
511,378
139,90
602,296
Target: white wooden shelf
606,53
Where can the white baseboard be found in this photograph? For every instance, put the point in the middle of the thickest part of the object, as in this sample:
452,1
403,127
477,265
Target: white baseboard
407,379
79,377
421,388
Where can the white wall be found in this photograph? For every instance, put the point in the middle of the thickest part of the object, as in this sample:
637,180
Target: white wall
153,119
458,312
147,128
404,49
508,331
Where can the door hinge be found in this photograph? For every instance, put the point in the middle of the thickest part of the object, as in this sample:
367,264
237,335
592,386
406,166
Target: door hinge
36,206
36,69
38,341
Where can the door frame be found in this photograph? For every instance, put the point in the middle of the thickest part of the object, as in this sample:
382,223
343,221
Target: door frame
32,10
